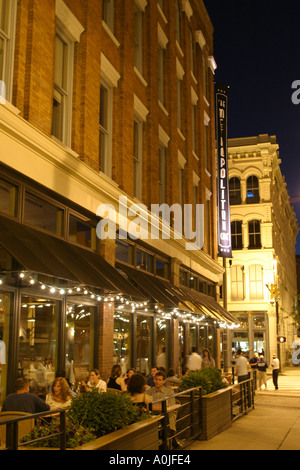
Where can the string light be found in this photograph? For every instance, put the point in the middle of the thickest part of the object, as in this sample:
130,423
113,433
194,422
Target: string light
121,303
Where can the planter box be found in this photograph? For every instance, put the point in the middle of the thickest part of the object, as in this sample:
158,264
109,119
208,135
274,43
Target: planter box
216,413
138,436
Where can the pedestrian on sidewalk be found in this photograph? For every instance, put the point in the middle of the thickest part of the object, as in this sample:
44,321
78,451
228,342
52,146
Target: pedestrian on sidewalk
241,366
262,366
275,364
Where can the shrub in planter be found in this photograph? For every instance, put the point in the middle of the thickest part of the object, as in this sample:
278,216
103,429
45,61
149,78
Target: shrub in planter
209,379
104,412
76,435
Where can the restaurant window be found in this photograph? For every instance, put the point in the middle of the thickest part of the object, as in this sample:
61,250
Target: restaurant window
259,341
144,261
8,198
193,331
44,215
254,234
252,190
38,341
144,345
183,277
236,235
79,342
259,320
124,252
5,316
122,340
161,342
82,233
235,197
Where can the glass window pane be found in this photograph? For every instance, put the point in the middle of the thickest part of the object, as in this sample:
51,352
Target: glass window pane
144,333
2,53
43,215
61,69
124,252
8,198
5,315
161,343
240,340
4,15
38,341
81,233
122,340
79,342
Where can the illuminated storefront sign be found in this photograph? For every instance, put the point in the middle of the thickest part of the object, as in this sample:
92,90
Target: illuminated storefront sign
224,235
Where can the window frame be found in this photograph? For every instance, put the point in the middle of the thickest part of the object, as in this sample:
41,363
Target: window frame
8,37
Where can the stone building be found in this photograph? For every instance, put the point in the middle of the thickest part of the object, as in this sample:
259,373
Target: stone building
261,275
102,100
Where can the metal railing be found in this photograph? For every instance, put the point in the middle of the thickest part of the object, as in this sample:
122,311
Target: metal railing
12,429
182,422
242,398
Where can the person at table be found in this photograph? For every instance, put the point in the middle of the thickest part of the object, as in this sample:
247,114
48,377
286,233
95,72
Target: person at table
128,375
94,382
116,381
24,401
160,391
136,387
61,395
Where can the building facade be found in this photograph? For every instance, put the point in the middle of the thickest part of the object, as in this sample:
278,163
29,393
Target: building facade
261,276
102,102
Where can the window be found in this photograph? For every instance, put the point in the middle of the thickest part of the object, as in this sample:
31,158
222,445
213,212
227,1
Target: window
8,198
105,138
108,11
137,158
38,340
162,174
162,268
122,340
143,346
161,74
79,341
236,235
124,252
235,191
144,261
43,215
6,314
254,234
237,282
8,12
82,233
179,104
256,282
252,190
138,38
161,356
63,88
192,51
204,75
178,21
181,186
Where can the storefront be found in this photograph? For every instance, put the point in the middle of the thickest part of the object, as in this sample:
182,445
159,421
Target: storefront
252,333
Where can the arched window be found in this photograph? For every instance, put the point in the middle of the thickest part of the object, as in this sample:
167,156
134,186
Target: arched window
252,190
256,282
235,191
236,235
254,234
237,282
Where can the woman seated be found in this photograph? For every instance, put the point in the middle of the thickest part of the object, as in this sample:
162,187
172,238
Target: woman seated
116,381
127,376
61,395
94,382
136,388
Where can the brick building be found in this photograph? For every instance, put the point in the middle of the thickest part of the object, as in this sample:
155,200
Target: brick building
102,100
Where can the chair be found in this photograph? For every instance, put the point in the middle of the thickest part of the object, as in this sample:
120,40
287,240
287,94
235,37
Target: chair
24,427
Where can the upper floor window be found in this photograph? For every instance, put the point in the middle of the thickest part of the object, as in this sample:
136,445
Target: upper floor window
236,235
237,282
254,234
63,87
235,191
256,282
82,233
8,13
44,215
252,190
108,13
162,174
138,38
105,129
8,198
138,158
178,21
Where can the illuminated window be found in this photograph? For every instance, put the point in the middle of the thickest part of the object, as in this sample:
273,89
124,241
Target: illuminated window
252,190
237,282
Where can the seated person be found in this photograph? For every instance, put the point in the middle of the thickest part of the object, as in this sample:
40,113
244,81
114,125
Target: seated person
136,388
94,382
23,400
61,395
115,380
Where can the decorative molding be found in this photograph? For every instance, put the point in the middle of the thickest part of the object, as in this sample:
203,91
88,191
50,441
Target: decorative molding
181,160
68,20
200,39
162,38
212,64
140,109
163,136
186,7
108,72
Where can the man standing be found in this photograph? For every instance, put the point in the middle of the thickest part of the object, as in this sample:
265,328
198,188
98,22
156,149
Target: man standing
262,366
275,370
24,401
194,361
241,366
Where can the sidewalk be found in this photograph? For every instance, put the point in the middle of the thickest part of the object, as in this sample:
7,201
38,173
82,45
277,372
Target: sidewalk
274,424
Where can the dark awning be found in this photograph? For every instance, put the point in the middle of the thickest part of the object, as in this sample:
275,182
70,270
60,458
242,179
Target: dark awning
161,291
45,254
207,305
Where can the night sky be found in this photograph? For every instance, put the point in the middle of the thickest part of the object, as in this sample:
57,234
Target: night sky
257,50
